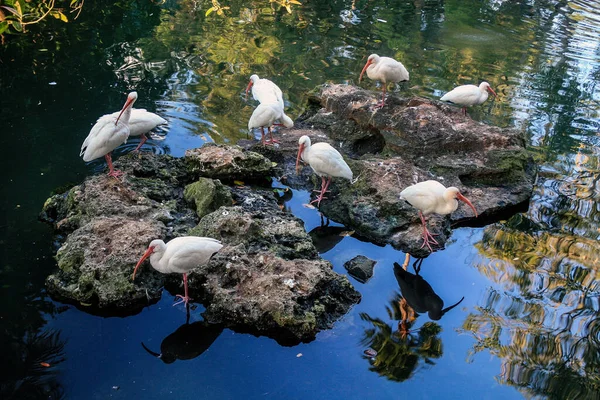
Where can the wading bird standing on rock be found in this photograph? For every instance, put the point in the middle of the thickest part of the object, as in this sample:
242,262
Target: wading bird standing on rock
180,255
107,134
265,91
431,197
469,95
384,69
325,161
140,122
265,115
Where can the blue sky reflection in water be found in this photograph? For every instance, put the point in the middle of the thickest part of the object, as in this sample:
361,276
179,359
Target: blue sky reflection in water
531,298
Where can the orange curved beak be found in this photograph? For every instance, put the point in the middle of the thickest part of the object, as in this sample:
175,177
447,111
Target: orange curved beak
463,198
369,62
248,89
300,150
128,104
492,91
146,255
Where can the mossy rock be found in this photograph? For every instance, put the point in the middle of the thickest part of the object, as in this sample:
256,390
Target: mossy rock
207,195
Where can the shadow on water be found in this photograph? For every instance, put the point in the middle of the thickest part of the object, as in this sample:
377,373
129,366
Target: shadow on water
187,342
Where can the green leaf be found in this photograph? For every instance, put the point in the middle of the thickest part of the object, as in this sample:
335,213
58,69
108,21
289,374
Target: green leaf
3,27
209,11
18,7
17,25
12,10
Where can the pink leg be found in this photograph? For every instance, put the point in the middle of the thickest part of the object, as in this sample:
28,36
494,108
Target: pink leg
185,298
324,186
111,171
262,135
271,141
428,238
144,138
380,105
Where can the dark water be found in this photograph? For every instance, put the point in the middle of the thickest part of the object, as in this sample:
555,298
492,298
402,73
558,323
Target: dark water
527,326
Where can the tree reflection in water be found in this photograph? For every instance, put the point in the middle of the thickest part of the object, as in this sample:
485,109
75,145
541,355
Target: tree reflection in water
28,366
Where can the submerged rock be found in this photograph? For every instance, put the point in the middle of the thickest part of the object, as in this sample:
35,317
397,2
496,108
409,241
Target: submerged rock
360,268
408,141
268,279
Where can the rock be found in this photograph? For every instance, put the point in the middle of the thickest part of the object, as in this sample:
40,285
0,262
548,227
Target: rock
267,280
207,195
408,141
227,163
360,268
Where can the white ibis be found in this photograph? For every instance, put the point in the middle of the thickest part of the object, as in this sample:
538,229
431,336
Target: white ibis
431,197
384,69
141,122
107,134
265,91
180,255
469,95
265,115
325,161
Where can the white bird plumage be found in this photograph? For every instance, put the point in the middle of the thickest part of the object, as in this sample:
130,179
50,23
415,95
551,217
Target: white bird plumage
384,69
180,255
324,160
265,115
141,121
265,91
431,197
107,134
469,95
270,109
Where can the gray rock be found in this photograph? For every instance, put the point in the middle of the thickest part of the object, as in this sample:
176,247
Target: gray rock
268,279
360,268
227,163
408,141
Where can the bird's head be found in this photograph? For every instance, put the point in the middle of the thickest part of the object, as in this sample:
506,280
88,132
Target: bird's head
131,98
253,80
486,86
303,143
155,246
455,194
373,58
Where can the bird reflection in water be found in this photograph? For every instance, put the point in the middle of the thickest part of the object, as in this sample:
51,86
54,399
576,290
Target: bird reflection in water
187,342
325,237
396,354
419,294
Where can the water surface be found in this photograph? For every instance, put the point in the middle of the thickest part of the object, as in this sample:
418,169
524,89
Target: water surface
527,324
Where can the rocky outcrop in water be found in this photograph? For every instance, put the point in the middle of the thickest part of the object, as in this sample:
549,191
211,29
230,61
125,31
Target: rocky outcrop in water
408,141
268,279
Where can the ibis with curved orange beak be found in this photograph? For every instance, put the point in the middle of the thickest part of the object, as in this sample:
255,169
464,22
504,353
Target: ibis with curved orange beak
325,161
431,197
384,69
180,255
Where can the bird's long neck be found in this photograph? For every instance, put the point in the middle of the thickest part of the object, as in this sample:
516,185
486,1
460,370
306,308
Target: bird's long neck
306,151
450,203
156,261
125,116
